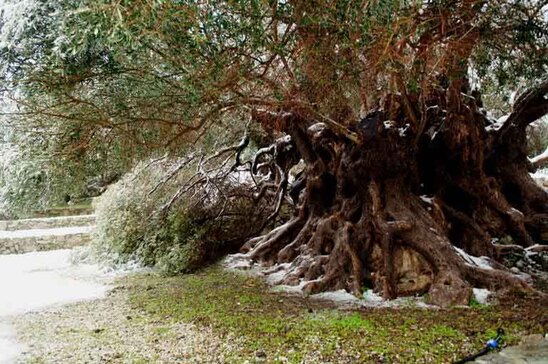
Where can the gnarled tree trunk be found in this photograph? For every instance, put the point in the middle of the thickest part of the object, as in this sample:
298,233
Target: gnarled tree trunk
401,204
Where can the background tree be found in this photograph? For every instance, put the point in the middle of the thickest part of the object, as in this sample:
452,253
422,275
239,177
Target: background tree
404,173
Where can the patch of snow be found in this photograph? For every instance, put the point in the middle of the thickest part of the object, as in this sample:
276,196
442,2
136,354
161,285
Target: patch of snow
371,296
541,177
514,211
503,119
284,139
298,289
388,124
340,296
295,170
428,199
540,173
46,232
539,157
39,279
276,275
316,129
9,348
403,130
481,295
480,262
238,262
241,177
497,124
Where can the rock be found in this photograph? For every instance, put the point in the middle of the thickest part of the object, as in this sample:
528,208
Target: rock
515,270
533,349
520,264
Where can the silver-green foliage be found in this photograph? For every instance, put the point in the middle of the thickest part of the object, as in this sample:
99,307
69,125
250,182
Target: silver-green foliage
132,223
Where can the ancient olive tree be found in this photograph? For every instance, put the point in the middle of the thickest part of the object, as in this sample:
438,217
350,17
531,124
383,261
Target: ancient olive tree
406,177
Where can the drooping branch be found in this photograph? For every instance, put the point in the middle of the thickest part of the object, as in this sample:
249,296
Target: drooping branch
529,107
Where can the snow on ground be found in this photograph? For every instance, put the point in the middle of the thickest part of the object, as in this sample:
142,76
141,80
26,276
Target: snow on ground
33,281
275,274
46,232
540,173
481,295
481,262
9,348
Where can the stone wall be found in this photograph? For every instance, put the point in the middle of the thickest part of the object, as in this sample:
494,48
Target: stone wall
20,245
47,223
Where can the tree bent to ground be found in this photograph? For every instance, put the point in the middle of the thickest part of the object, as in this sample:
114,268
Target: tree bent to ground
406,180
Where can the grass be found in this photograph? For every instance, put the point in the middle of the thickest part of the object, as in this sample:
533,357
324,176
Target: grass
286,328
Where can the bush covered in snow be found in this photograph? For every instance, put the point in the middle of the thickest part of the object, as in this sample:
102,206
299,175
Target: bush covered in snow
205,223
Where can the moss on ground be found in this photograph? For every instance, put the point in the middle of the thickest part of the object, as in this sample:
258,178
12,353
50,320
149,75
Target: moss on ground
278,327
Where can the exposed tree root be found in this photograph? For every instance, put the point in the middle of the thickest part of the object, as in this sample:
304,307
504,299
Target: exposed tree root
361,220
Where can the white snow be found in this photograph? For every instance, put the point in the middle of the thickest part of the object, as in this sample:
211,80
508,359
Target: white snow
16,21
388,124
316,128
371,296
514,212
37,280
9,348
370,299
298,289
497,124
540,173
275,274
428,199
46,232
541,177
340,296
481,262
238,262
541,156
403,130
481,295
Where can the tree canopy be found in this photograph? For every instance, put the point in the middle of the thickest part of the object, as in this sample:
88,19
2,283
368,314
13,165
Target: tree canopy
406,175
157,72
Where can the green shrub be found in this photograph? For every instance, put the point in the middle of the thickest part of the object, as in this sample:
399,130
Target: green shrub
205,223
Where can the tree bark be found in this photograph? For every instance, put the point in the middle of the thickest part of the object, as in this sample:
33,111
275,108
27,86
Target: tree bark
408,204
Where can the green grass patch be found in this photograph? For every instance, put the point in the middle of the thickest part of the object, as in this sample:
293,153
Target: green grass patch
293,328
